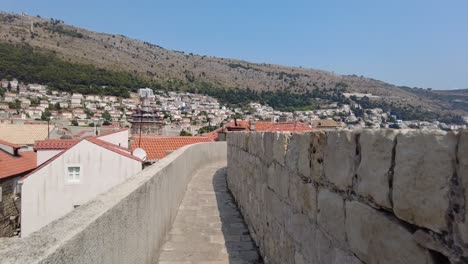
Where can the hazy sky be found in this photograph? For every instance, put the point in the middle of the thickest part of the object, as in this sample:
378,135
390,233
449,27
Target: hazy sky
420,43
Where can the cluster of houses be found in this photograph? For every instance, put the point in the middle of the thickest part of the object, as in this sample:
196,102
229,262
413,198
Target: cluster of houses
178,111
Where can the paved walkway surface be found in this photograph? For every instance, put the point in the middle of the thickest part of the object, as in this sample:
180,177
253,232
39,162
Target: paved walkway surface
208,228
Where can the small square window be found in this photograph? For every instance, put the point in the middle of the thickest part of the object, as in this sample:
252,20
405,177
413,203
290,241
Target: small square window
73,174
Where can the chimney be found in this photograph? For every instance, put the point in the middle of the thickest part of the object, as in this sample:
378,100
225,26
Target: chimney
252,125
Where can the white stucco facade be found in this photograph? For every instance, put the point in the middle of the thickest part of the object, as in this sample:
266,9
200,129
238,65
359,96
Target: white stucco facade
47,196
44,155
118,138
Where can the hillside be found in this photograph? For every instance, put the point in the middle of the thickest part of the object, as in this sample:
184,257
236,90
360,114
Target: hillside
177,70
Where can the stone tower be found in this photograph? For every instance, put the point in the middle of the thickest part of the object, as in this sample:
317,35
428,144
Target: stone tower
145,120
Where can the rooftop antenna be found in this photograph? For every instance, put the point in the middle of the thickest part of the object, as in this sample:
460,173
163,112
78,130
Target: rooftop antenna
140,153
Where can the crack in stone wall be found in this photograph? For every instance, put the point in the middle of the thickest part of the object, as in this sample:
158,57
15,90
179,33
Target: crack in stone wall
370,196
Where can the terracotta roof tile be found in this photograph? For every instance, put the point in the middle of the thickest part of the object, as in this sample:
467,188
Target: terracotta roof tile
156,147
55,144
263,126
11,165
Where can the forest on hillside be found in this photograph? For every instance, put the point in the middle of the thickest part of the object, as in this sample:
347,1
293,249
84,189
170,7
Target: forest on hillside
30,66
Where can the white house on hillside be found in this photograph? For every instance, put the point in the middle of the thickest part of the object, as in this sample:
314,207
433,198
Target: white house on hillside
73,177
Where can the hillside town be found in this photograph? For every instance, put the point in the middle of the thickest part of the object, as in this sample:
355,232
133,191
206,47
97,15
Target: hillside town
179,112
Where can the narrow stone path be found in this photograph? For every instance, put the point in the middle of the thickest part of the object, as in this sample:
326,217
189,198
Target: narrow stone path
209,228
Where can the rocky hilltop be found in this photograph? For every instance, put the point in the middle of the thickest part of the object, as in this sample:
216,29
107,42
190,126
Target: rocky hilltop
152,62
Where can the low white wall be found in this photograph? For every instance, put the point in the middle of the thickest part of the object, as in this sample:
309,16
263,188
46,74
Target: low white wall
128,224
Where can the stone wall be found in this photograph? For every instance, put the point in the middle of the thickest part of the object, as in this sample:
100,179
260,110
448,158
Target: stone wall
128,224
9,207
370,196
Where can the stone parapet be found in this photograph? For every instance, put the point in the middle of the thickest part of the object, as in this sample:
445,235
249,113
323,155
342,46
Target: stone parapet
128,224
366,196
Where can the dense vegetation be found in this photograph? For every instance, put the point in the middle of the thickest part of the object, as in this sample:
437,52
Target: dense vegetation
30,66
408,112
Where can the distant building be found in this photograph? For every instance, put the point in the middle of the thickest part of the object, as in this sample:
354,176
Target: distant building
325,124
144,120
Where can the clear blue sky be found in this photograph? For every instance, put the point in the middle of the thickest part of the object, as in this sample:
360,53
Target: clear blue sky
420,43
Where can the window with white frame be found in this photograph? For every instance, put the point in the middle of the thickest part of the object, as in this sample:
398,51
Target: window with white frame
73,174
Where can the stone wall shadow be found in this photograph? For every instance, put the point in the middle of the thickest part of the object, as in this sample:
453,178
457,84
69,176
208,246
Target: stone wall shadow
240,246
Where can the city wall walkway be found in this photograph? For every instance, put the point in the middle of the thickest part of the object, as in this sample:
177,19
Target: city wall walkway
209,228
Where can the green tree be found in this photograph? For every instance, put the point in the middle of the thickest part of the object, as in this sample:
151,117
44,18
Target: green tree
107,116
184,133
74,122
46,115
88,113
15,105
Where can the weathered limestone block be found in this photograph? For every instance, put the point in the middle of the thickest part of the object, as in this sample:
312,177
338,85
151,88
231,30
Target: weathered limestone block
269,139
331,215
317,153
234,139
327,252
275,208
375,238
463,175
280,145
424,164
339,160
238,139
278,180
298,154
344,257
301,230
376,161
299,258
255,144
303,196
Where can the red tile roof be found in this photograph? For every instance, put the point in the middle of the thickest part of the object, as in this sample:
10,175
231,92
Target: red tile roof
282,126
264,126
213,135
55,144
11,165
15,146
156,147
